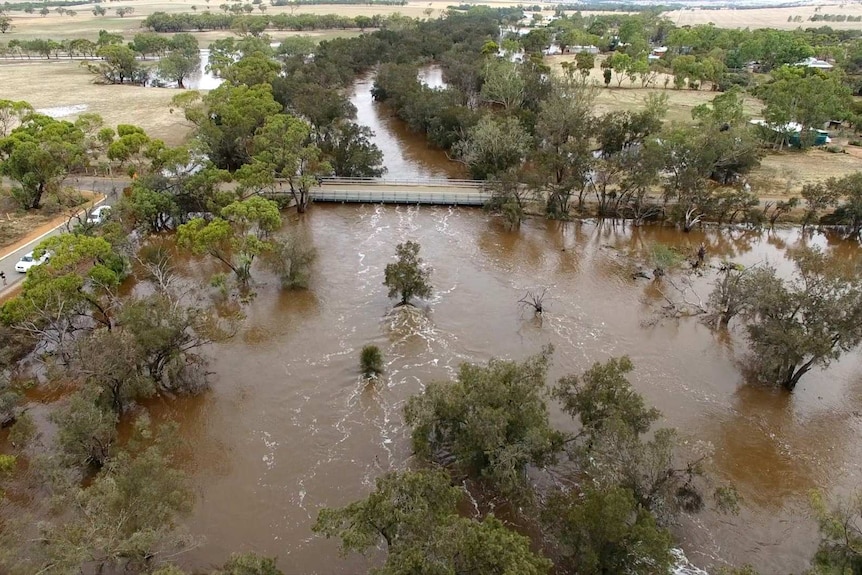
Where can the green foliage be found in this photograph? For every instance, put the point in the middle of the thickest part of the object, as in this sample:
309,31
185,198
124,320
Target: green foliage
254,69
604,392
503,85
664,258
182,59
7,466
612,451
236,238
493,146
563,156
227,119
128,512
415,514
10,399
38,154
282,151
811,320
840,550
492,420
848,212
606,531
78,281
86,431
118,65
407,277
291,258
249,564
724,110
348,148
808,98
11,114
371,360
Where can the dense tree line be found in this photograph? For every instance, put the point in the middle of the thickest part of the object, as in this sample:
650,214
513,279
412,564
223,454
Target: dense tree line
114,62
186,22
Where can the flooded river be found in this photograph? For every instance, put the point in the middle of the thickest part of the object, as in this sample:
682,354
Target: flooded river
290,426
406,154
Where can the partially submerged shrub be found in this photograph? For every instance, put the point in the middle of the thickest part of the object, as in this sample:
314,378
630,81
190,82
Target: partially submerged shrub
371,361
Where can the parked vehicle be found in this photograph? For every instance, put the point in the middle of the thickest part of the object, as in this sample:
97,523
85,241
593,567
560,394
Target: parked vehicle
99,215
28,261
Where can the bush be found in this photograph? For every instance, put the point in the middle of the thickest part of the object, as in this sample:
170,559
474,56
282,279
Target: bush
663,258
371,361
855,142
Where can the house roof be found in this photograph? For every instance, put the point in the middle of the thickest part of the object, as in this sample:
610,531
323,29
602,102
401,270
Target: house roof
815,63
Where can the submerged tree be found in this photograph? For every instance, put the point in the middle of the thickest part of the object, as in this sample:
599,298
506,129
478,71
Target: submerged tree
415,514
124,519
612,449
408,277
237,237
492,419
797,324
840,550
182,60
604,531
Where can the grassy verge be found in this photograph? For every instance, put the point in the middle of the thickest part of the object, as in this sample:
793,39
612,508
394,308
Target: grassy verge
57,84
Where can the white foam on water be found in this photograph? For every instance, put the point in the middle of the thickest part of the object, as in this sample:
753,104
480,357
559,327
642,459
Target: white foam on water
683,566
62,111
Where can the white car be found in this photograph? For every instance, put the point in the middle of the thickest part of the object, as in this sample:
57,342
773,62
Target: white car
99,215
28,261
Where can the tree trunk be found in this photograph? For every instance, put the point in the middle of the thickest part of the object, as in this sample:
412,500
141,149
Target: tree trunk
37,199
793,376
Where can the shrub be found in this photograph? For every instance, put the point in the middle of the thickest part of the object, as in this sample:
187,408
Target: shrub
371,361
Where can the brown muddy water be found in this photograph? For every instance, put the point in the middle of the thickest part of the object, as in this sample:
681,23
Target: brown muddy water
406,154
290,426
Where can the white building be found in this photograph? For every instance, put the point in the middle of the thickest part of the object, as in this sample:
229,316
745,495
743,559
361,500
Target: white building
815,63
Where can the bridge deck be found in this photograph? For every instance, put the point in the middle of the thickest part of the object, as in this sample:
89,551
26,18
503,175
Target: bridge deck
433,192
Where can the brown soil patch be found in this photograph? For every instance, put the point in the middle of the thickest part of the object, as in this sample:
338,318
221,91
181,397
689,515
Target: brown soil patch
784,173
18,229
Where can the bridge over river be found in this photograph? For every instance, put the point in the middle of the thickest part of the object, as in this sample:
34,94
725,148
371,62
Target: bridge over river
431,191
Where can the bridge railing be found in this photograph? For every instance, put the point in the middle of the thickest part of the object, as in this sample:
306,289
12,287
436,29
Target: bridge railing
406,182
466,198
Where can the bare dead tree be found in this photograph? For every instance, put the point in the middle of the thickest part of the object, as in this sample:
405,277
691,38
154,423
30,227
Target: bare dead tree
534,300
681,300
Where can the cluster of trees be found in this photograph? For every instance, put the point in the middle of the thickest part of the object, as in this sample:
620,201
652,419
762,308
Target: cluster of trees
794,324
116,503
619,481
119,63
52,48
707,54
185,22
490,425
